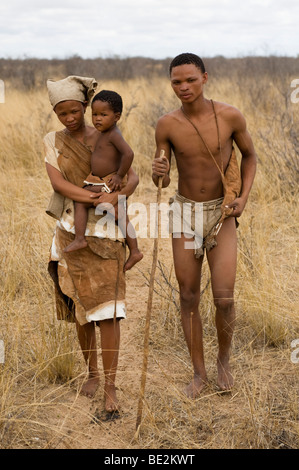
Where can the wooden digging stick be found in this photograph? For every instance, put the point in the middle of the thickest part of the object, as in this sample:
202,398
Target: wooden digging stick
149,308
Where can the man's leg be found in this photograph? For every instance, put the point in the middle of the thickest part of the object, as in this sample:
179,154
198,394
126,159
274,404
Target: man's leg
87,339
223,263
188,273
110,341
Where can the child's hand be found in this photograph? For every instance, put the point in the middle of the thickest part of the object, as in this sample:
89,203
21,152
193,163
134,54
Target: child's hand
114,182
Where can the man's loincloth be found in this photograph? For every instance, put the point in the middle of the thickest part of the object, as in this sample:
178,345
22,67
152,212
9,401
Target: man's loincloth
197,220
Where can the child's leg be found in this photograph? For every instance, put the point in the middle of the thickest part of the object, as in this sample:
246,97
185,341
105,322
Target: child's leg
130,236
131,239
81,215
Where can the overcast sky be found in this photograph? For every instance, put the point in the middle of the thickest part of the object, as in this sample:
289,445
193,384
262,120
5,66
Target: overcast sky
150,28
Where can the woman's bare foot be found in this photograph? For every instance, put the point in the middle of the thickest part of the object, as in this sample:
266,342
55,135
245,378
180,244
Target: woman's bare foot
77,244
90,386
134,257
111,401
195,387
225,379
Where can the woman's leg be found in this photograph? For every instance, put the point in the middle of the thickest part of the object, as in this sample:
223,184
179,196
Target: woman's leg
110,341
87,339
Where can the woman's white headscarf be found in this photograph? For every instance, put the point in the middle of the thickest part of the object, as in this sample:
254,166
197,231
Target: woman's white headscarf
71,88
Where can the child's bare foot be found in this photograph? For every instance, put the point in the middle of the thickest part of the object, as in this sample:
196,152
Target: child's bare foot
225,379
195,387
134,257
90,386
77,244
111,401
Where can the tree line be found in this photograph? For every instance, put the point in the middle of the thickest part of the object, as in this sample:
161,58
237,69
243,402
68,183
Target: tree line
30,73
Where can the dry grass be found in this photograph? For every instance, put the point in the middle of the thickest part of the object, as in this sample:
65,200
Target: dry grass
39,381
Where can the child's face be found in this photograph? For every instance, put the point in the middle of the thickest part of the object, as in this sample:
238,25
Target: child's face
71,114
103,117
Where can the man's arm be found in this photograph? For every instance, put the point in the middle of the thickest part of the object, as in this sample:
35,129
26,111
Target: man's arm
244,142
161,166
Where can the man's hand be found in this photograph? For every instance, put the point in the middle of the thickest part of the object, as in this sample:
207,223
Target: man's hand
160,166
237,207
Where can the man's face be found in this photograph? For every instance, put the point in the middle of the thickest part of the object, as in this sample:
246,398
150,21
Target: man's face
71,114
187,82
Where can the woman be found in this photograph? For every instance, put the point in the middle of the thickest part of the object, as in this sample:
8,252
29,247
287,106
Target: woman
89,283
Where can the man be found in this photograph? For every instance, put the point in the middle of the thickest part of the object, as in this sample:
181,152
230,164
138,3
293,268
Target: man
201,135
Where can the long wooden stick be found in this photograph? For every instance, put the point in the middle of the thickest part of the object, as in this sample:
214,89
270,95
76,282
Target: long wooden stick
149,308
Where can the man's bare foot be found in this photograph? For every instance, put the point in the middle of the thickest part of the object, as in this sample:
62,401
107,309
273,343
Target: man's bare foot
90,386
77,244
225,379
195,387
111,401
134,257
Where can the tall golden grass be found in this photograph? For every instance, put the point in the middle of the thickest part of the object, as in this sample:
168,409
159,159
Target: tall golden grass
40,406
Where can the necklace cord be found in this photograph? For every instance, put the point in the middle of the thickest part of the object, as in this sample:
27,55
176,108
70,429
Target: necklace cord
204,142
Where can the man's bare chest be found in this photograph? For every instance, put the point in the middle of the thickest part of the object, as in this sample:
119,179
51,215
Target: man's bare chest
201,140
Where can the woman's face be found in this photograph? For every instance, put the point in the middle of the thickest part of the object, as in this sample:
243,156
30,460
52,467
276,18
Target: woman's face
71,114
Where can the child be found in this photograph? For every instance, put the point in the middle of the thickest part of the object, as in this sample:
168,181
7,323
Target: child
110,162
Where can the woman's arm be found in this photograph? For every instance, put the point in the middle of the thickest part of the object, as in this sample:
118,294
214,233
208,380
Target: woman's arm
67,189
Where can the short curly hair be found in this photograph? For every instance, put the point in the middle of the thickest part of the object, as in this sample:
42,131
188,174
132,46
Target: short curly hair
112,98
187,58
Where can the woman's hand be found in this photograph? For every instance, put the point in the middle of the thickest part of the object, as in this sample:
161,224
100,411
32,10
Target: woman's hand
105,198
